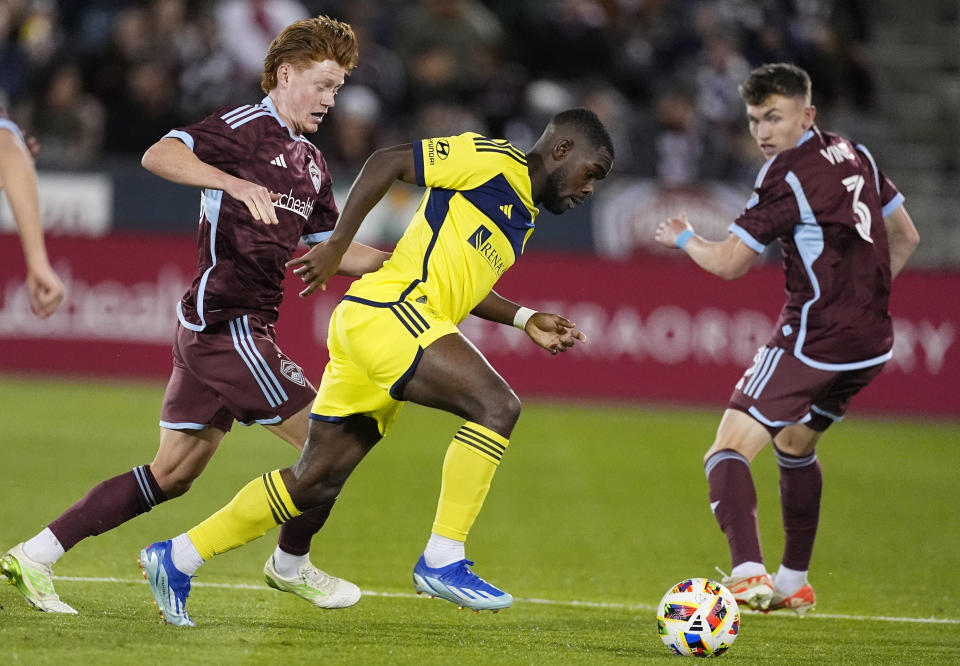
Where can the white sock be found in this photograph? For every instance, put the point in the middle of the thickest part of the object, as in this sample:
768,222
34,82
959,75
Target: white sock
788,581
288,565
44,548
441,551
185,555
748,569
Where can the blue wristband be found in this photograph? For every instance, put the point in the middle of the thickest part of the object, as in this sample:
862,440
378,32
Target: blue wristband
683,238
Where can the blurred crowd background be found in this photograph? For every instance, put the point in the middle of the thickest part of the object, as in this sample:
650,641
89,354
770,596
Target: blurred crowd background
97,82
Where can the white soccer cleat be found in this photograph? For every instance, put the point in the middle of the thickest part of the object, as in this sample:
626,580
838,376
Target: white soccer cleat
34,580
755,592
320,589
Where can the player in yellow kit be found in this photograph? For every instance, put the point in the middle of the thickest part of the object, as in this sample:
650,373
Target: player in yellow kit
394,338
470,228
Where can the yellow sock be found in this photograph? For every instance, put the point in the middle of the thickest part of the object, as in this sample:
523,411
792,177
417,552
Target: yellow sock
468,468
260,506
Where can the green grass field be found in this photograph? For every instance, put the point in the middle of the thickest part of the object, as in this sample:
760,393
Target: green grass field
596,511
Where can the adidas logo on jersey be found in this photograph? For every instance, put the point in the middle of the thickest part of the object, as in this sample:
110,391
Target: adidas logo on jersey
506,210
279,161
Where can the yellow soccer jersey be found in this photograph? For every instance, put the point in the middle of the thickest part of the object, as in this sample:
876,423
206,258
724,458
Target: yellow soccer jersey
470,227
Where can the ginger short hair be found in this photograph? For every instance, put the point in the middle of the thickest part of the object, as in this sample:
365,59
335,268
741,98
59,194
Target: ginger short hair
307,41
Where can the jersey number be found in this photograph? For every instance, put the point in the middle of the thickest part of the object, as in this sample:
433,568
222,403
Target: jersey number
855,184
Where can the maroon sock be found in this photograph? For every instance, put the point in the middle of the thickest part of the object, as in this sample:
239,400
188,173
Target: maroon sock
108,504
295,535
801,482
733,499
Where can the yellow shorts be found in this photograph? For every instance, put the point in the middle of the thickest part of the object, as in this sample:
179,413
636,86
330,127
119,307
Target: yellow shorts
374,350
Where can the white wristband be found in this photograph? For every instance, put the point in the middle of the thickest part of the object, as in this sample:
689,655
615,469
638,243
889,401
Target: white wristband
523,315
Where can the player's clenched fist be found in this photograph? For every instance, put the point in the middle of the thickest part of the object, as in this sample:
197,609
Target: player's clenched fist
667,232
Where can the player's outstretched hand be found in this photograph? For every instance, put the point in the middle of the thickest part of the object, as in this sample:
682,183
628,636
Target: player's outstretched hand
258,199
317,266
552,332
45,290
667,232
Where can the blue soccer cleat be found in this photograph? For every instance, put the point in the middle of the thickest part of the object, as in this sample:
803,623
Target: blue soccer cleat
169,585
458,584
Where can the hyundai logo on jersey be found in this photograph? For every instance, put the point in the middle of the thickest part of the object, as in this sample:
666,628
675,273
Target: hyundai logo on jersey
443,149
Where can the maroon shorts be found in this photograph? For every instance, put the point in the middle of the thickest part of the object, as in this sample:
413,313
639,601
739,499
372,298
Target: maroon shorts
232,370
778,390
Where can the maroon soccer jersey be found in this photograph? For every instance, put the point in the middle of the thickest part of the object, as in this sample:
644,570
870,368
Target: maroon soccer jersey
825,201
240,262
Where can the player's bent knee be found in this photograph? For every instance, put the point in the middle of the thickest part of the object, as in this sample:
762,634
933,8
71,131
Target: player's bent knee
308,496
173,485
510,407
499,411
748,452
797,440
177,479
741,433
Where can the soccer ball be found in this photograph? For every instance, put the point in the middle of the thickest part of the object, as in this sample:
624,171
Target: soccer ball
698,618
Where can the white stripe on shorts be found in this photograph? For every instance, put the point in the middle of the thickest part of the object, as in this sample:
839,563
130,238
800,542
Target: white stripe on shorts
771,357
240,343
263,364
